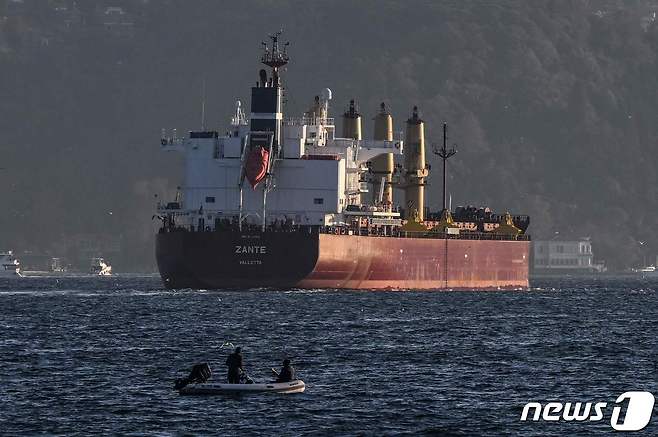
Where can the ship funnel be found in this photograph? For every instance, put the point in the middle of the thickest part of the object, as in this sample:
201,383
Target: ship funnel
382,165
352,123
262,74
415,169
383,124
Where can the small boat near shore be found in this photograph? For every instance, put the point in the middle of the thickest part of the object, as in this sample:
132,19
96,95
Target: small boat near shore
9,265
213,388
646,272
99,267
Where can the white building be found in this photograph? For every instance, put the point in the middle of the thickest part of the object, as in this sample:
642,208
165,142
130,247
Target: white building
118,22
565,256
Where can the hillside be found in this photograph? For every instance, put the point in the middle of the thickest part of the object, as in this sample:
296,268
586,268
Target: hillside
552,104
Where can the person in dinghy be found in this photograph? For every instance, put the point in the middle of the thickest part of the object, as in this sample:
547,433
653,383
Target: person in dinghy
235,366
287,372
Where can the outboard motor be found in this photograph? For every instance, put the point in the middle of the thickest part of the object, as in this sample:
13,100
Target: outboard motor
245,379
200,373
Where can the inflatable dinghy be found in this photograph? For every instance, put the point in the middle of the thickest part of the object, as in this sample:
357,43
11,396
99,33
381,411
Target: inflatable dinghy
210,388
199,383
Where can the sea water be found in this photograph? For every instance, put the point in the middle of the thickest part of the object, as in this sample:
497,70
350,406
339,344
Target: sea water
98,355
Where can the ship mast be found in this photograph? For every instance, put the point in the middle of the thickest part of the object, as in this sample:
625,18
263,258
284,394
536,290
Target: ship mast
444,153
267,111
274,58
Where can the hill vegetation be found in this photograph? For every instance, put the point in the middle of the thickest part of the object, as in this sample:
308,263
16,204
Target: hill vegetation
553,105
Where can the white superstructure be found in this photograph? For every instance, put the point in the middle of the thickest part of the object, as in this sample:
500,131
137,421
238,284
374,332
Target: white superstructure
308,176
315,178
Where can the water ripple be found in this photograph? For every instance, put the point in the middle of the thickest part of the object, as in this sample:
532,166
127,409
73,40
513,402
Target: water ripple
98,356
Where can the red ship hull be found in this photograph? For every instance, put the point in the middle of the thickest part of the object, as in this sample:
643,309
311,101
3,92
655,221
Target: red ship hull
308,259
417,263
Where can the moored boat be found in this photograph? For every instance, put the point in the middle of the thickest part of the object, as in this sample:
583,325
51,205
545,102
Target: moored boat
9,265
647,272
100,267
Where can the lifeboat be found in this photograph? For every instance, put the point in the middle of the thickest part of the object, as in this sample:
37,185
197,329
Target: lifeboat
256,166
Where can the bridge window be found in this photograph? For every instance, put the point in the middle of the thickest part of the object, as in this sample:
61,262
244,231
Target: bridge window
318,201
210,199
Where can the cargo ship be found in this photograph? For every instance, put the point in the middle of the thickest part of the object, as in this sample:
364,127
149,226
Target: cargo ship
287,202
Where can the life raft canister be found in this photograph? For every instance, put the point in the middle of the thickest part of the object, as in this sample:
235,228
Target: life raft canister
256,165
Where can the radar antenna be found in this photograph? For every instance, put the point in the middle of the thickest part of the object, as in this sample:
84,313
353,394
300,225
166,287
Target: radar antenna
273,57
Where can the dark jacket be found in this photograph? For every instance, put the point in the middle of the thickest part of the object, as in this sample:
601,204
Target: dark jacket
287,374
234,362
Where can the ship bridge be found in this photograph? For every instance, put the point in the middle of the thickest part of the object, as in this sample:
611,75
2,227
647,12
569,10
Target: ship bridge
317,178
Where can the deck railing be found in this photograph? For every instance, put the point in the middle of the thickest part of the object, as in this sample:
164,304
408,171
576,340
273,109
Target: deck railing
344,230
398,233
